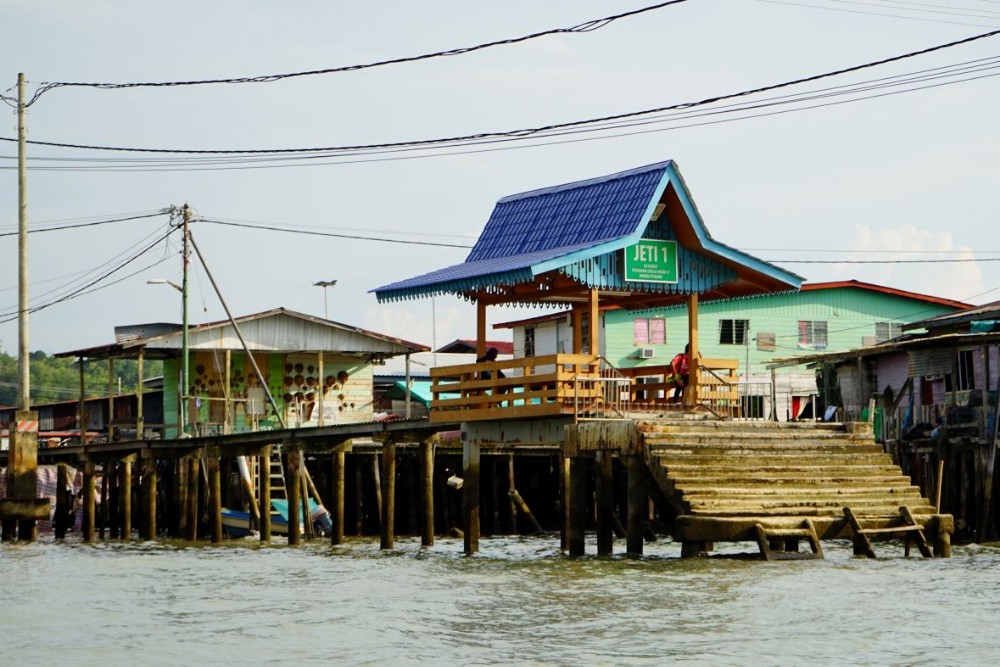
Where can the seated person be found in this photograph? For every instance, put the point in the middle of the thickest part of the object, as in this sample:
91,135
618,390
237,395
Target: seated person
490,355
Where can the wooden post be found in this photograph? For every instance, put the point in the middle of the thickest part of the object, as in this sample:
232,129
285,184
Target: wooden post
480,328
388,495
577,324
227,404
89,493
427,493
636,524
307,527
519,504
512,488
102,518
605,504
359,527
64,501
194,483
212,467
149,484
321,391
691,391
125,497
82,418
565,499
292,485
595,322
575,530
111,410
140,421
264,496
337,511
22,468
179,494
470,496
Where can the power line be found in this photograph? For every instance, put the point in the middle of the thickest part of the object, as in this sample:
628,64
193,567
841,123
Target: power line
331,234
587,26
524,132
88,224
948,260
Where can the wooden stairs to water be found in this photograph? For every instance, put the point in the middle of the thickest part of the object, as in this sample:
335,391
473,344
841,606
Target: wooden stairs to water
780,484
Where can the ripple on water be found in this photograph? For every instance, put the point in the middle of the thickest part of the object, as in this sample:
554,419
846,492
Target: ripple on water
519,601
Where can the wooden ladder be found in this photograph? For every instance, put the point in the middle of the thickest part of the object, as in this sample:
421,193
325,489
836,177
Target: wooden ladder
910,530
766,537
277,472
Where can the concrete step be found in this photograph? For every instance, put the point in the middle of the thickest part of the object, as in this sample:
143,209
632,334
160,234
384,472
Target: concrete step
655,446
807,471
859,504
805,512
674,426
846,494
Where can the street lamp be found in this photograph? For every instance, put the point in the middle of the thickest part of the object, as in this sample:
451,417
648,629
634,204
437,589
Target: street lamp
324,284
184,345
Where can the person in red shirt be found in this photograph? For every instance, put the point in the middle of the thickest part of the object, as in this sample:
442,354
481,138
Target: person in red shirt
680,366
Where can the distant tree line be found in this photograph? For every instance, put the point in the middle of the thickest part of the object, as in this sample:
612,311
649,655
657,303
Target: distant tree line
58,379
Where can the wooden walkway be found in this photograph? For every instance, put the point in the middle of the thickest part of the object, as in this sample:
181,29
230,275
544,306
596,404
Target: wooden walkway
779,484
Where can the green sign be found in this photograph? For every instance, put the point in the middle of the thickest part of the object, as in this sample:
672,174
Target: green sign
651,261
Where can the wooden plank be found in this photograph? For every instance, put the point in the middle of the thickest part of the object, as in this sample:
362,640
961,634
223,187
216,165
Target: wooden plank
862,545
919,536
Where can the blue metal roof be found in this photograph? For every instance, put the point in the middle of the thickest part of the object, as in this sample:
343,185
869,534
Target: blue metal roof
553,228
530,228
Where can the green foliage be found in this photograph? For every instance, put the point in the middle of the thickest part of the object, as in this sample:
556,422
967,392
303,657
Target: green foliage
58,379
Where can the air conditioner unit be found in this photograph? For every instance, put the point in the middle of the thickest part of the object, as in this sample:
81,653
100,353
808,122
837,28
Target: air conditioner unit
645,353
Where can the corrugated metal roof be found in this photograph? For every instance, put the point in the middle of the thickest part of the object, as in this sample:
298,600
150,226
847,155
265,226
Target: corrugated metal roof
564,227
533,227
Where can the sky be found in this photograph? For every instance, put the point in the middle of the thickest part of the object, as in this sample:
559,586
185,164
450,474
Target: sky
899,177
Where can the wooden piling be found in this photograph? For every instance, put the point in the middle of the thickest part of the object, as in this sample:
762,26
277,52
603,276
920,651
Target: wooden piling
307,527
179,498
125,497
293,484
359,524
378,487
149,488
212,467
564,500
264,495
102,519
427,493
89,498
388,496
605,504
338,461
577,501
193,484
64,501
518,502
470,496
635,523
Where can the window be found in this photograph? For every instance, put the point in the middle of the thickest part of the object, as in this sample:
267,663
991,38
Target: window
765,342
529,341
966,371
887,331
649,331
733,332
812,334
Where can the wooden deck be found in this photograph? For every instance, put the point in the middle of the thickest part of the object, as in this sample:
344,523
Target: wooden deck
729,481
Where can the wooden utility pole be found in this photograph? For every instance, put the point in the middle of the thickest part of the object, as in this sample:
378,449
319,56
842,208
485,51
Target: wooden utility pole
24,383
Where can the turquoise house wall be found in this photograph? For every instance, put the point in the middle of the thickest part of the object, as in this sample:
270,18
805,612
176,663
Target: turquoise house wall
851,314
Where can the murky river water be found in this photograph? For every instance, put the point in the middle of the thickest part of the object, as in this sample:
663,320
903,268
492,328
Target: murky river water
519,602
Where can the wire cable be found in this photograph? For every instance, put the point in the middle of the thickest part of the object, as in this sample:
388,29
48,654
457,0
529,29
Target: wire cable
527,132
87,224
586,26
332,234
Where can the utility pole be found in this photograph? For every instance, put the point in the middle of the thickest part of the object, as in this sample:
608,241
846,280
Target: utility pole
24,382
185,363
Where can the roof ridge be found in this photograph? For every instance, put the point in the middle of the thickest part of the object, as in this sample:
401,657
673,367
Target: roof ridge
573,185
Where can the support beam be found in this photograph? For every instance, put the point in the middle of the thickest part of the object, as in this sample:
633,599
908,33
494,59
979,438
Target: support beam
194,484
692,390
636,522
111,401
480,328
576,315
149,488
293,484
338,463
575,530
264,495
212,466
89,501
388,532
605,504
140,419
125,497
470,496
427,493
64,501
595,322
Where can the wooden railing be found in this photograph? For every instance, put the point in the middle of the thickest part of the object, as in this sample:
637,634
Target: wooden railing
580,385
514,388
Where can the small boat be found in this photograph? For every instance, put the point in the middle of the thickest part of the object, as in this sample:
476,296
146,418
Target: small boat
236,523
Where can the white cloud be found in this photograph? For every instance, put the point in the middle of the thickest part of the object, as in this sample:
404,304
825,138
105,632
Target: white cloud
956,280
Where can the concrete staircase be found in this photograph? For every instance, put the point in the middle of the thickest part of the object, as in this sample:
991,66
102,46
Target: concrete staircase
777,484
